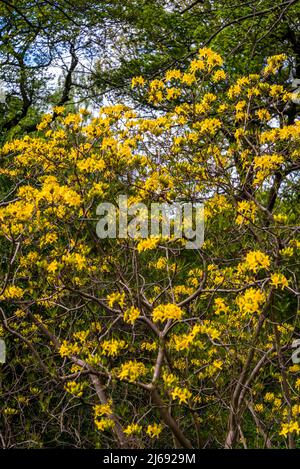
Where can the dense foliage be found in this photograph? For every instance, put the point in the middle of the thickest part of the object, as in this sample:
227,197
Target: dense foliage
141,342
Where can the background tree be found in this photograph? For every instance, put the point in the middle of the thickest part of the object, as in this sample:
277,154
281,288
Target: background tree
97,47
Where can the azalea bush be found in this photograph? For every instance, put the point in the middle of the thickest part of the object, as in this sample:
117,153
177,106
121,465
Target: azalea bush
132,342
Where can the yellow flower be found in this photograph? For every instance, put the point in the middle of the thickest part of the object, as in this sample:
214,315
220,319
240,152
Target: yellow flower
239,133
137,81
132,370
277,403
265,165
68,349
74,388
217,364
78,261
91,164
234,90
81,335
154,430
104,424
263,114
259,407
269,397
46,120
209,125
196,65
287,252
12,292
131,315
212,332
188,79
296,408
149,346
278,280
173,75
172,93
219,75
53,267
103,409
251,301
290,427
247,211
280,218
133,429
294,368
222,108
149,243
274,63
184,341
256,260
10,411
211,58
182,394
59,110
169,379
220,306
73,120
157,85
167,311
118,298
161,263
278,91
112,347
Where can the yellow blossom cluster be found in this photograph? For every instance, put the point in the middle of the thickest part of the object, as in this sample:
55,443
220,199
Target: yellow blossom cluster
184,341
256,260
67,349
274,63
149,346
265,166
133,429
182,394
104,424
132,370
112,347
76,389
246,212
205,63
220,306
12,292
131,314
116,298
147,244
278,280
290,427
167,311
103,409
251,301
169,379
102,416
154,430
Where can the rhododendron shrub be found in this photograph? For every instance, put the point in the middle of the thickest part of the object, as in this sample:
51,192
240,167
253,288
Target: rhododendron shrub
153,344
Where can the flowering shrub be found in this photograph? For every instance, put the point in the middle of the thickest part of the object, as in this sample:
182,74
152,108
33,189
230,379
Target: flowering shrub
166,344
